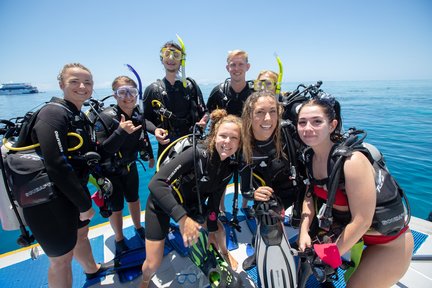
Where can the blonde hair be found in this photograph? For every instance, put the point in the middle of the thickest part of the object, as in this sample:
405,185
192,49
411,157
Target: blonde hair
271,75
124,79
247,132
237,52
219,117
70,65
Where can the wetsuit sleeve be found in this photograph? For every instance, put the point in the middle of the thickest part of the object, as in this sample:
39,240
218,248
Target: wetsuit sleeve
113,143
212,102
150,127
51,131
160,185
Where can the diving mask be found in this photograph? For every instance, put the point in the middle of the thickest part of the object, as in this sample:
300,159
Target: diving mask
264,85
123,91
171,53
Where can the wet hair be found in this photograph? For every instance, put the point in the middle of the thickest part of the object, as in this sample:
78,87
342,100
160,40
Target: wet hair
124,79
247,132
237,52
70,65
217,118
332,111
273,75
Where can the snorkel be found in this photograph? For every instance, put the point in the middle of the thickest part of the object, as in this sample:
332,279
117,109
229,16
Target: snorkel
279,80
183,61
140,92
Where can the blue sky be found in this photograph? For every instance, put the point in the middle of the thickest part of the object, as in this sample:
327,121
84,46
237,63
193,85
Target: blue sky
327,40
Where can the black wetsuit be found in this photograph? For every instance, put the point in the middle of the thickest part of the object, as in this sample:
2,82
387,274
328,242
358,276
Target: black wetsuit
186,104
120,150
164,202
223,96
274,171
54,224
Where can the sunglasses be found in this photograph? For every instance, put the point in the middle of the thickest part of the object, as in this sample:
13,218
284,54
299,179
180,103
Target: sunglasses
171,53
182,277
264,85
125,91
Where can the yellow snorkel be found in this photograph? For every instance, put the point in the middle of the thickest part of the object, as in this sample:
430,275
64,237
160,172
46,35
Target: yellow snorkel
279,81
183,61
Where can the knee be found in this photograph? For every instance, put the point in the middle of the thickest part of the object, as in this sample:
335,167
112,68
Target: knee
61,262
150,266
83,233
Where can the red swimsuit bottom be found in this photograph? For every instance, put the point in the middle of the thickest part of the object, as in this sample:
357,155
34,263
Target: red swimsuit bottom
381,239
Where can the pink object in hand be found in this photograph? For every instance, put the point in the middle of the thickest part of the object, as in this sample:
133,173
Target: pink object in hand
329,254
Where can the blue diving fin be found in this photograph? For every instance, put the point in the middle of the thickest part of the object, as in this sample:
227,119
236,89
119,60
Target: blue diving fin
175,239
121,264
127,266
231,237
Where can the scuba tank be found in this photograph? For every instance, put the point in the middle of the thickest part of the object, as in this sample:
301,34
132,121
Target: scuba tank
8,217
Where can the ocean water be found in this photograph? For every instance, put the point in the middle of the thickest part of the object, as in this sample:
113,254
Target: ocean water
397,116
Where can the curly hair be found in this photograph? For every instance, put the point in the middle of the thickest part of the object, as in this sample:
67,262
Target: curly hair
219,117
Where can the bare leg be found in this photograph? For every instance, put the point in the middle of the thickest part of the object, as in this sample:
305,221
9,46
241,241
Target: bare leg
154,256
60,271
383,265
222,202
83,253
135,212
244,203
221,240
116,221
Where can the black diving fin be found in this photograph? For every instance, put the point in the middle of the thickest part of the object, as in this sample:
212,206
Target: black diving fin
274,260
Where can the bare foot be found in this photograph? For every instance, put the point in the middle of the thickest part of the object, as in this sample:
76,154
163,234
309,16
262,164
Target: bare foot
231,260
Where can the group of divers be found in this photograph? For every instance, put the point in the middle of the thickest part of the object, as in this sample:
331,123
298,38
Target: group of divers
283,149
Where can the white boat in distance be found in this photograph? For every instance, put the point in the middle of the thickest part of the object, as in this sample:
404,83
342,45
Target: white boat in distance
17,88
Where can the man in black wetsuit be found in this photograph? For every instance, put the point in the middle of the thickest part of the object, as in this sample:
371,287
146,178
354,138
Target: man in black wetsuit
172,104
231,95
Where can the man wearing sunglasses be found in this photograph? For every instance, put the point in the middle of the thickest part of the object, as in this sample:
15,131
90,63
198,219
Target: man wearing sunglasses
231,95
172,104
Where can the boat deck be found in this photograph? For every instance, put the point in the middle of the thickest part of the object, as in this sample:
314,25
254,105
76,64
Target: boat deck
17,269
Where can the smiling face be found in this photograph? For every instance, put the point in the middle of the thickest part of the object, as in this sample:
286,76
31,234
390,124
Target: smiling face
227,139
314,126
77,85
264,118
126,96
237,68
171,58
